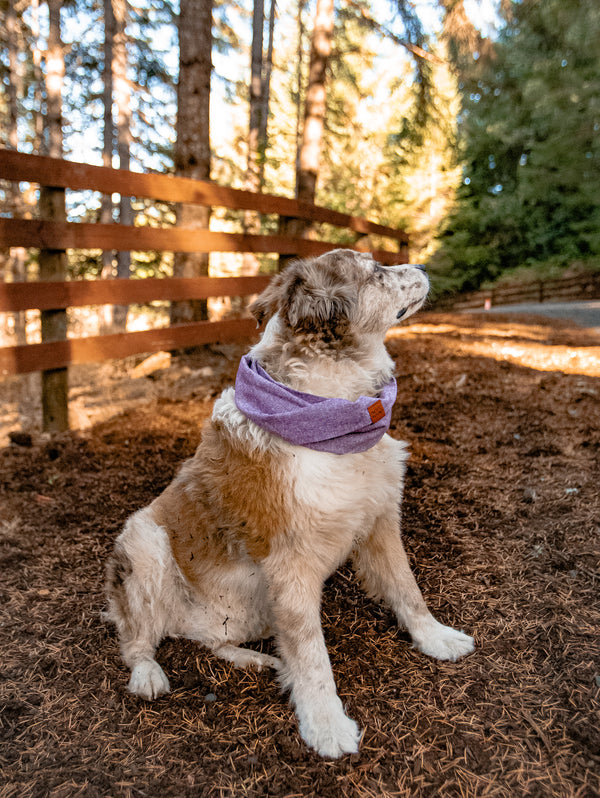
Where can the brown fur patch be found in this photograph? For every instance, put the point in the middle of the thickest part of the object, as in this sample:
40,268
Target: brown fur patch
118,569
317,301
267,303
222,500
314,299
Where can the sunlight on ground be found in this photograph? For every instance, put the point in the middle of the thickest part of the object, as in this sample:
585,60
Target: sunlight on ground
570,360
535,333
521,344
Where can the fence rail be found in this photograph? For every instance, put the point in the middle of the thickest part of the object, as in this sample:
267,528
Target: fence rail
18,166
51,236
77,293
562,288
60,354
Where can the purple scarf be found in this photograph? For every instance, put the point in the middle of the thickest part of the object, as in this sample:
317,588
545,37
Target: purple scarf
327,425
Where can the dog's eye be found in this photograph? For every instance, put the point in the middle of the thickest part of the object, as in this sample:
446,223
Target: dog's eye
378,273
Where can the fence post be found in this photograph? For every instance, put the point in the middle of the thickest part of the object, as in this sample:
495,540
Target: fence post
289,226
403,251
53,266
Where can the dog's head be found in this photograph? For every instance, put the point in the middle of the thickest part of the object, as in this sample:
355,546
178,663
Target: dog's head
342,294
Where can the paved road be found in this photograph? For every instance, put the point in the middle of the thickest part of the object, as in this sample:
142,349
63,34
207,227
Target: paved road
586,313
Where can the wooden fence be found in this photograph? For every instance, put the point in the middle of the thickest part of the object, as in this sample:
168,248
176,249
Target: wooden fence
584,286
52,236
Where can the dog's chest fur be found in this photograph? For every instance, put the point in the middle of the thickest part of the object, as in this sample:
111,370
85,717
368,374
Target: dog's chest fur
320,496
248,493
349,492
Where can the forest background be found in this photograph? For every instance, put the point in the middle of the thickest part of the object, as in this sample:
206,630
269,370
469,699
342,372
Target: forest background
474,125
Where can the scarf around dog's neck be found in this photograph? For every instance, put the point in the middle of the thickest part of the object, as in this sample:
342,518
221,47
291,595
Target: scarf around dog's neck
316,422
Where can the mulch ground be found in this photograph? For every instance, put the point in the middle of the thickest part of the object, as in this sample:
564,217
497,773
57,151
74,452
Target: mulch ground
502,525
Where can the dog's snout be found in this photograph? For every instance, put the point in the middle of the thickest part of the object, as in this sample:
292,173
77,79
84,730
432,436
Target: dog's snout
419,266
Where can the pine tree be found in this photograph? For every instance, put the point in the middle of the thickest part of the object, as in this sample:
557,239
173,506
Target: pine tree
192,153
531,144
315,103
16,257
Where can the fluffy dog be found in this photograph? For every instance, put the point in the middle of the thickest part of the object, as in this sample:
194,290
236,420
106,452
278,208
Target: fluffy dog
238,546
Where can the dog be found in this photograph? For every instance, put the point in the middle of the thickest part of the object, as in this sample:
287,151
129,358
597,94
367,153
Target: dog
239,545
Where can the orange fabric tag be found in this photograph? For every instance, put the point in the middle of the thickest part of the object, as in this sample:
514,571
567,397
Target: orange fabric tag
376,411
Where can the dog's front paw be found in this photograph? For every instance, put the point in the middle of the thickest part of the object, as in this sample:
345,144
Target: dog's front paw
148,680
441,642
328,730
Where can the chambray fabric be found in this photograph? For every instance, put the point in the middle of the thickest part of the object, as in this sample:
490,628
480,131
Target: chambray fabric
327,425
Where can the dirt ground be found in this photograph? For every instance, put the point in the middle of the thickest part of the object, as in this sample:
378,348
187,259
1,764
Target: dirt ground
502,526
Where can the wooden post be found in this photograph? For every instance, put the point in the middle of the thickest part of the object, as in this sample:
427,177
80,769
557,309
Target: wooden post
52,264
403,250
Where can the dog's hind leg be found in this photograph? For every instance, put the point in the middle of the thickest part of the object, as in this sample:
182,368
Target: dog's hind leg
229,608
140,603
382,565
245,657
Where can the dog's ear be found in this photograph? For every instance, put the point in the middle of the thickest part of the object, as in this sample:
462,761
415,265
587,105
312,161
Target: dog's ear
316,300
267,303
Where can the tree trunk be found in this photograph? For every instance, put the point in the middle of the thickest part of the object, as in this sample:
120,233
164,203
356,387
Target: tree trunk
14,73
256,97
122,92
266,93
251,224
37,75
52,206
192,150
106,208
17,255
315,104
299,80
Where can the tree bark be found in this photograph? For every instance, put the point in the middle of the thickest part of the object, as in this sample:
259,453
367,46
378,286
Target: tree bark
252,223
263,140
106,208
192,150
315,106
122,96
37,74
53,263
17,255
316,103
256,98
299,81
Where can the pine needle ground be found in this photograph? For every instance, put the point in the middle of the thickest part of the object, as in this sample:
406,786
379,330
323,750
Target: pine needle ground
502,526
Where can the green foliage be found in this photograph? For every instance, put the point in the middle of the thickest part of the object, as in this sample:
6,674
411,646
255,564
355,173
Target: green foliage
530,136
382,158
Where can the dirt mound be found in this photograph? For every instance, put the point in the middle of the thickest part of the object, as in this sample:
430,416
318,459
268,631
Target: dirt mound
501,522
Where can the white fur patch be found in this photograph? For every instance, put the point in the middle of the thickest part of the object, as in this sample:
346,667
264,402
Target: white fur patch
326,728
441,642
246,433
148,680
